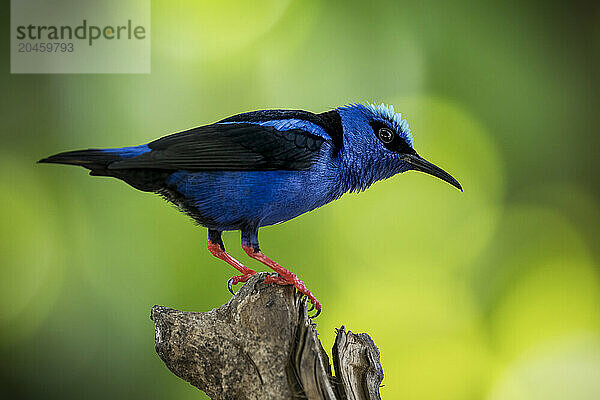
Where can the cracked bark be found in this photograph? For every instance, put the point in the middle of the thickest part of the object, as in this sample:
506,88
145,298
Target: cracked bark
261,344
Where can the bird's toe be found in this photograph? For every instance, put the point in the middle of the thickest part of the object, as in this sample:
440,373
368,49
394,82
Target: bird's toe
230,285
317,313
276,279
234,280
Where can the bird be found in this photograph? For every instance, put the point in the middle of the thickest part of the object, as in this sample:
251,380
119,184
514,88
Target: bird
261,168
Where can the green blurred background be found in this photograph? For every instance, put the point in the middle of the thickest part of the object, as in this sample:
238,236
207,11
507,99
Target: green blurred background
491,294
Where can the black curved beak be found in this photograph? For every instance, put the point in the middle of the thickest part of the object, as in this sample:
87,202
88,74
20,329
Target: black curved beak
420,164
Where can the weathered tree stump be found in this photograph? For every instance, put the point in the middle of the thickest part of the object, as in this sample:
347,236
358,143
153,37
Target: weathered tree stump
262,345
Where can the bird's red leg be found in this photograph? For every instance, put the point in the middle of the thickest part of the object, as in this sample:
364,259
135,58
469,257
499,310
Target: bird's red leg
285,277
218,251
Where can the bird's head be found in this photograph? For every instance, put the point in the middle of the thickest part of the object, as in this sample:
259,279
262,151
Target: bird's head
378,144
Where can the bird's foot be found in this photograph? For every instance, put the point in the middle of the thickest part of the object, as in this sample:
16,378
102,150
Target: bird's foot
278,280
218,250
234,280
292,279
285,277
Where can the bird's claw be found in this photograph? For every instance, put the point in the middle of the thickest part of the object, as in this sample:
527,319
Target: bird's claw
312,304
234,280
293,280
315,304
316,314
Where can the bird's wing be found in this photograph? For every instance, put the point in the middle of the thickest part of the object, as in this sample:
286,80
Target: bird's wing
232,146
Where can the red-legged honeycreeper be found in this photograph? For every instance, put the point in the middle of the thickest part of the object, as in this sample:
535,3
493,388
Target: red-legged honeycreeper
264,167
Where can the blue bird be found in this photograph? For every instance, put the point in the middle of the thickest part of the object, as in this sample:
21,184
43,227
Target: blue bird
264,167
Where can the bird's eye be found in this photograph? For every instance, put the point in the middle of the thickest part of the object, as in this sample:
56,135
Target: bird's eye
385,135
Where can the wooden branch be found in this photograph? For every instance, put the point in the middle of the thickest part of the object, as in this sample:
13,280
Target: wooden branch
262,345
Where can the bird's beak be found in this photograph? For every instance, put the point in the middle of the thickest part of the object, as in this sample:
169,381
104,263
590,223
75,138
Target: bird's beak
420,164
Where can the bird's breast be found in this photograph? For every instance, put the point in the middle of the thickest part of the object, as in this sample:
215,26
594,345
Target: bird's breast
234,198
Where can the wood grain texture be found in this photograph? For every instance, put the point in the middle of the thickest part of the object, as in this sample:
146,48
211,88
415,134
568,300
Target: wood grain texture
261,344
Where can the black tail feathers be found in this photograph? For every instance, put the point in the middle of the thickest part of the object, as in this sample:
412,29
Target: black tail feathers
98,162
95,160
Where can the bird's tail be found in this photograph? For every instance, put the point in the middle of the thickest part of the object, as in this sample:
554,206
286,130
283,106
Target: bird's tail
96,160
90,159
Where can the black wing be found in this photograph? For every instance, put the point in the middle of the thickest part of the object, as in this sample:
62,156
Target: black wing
230,147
